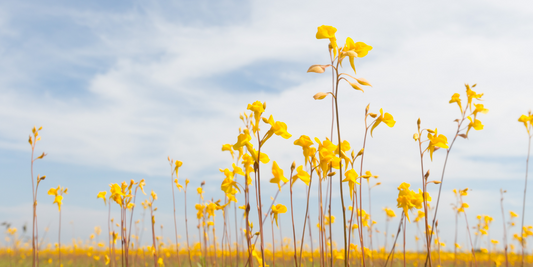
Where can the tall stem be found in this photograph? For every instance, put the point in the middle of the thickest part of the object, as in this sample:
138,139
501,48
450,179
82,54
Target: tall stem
293,230
524,201
59,239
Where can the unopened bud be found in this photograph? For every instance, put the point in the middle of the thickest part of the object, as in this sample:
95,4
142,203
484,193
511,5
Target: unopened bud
320,96
293,166
373,115
331,174
265,105
415,136
427,175
203,183
367,108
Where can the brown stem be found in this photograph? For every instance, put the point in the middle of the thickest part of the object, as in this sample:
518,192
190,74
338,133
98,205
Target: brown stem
524,202
293,231
504,230
396,239
305,219
187,227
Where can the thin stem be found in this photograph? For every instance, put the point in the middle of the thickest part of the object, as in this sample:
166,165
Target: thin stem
305,219
293,230
524,201
397,234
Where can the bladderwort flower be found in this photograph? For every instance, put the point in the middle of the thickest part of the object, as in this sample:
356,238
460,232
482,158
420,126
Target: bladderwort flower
436,140
276,210
278,175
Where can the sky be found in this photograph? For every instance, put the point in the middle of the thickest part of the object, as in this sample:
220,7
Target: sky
120,86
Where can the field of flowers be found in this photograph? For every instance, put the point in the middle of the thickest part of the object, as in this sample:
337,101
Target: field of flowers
242,241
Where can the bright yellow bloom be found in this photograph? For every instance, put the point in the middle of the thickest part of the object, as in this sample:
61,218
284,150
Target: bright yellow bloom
242,140
471,95
527,120
456,99
329,220
476,124
107,260
263,156
154,195
328,32
385,118
102,196
228,147
305,142
351,178
278,175
389,212
258,108
358,49
278,209
277,127
58,199
513,214
200,209
436,140
302,175
160,262
142,183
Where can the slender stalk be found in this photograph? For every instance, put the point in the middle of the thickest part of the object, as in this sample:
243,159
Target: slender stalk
174,206
394,244
59,239
524,201
293,230
258,194
504,230
305,219
153,235
186,226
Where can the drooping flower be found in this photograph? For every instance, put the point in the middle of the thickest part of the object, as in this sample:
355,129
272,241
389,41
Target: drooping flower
385,118
328,32
302,175
276,210
305,142
351,178
278,175
436,140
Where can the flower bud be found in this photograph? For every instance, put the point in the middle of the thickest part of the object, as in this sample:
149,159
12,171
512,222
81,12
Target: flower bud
373,115
320,96
415,136
317,68
265,105
293,166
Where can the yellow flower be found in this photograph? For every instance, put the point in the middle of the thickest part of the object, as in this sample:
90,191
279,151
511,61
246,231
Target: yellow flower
58,199
471,95
526,119
210,209
359,49
456,99
328,32
263,157
107,260
479,108
160,262
513,214
228,147
476,124
436,140
102,196
385,118
278,175
389,212
242,140
154,195
142,183
277,127
302,175
351,178
200,209
258,108
305,142
277,209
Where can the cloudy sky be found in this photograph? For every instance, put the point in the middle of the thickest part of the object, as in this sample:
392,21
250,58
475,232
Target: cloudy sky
119,86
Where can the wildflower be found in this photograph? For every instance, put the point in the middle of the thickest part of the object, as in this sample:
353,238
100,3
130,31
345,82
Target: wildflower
305,142
302,175
476,124
385,118
278,175
276,127
228,147
351,178
456,99
436,140
358,49
328,32
276,210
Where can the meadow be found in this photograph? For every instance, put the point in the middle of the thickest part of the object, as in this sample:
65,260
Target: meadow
246,241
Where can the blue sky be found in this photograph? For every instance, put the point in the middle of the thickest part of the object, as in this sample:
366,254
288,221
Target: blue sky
119,87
